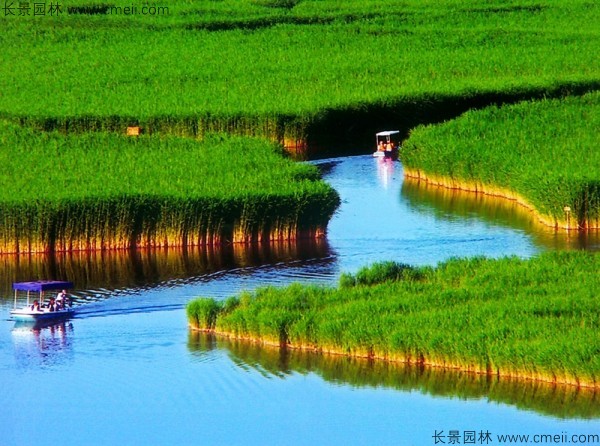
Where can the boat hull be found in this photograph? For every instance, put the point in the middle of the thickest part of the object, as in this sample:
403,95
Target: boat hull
392,155
25,314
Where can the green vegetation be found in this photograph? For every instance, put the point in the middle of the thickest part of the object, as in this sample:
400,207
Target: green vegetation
490,316
287,69
546,151
100,190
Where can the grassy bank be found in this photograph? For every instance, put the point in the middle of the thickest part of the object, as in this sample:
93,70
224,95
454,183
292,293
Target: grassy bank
104,191
535,318
279,69
446,204
542,153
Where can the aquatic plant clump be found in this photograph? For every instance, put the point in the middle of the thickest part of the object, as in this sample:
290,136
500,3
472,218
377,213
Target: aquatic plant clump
537,318
104,191
542,153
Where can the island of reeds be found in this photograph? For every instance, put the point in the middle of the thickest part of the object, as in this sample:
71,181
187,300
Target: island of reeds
97,191
535,318
543,154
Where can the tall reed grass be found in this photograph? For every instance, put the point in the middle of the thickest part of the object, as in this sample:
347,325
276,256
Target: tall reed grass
535,318
544,151
101,191
278,68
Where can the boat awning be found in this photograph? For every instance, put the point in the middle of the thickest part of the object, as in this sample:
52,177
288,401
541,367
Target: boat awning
42,285
387,133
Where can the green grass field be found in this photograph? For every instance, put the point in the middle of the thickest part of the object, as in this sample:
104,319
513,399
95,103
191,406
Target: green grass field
279,68
490,316
293,71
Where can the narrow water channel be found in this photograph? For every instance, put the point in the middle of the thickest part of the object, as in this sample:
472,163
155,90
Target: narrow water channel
126,370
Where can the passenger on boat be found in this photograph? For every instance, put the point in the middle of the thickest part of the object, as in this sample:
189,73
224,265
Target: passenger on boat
35,306
52,304
381,147
60,298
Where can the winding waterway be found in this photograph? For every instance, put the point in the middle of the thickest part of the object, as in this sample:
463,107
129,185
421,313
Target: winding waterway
126,369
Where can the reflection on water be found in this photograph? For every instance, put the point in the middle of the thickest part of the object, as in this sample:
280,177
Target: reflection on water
385,172
42,344
449,204
94,272
559,401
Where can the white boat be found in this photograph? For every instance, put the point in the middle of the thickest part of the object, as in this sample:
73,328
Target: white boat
38,309
387,144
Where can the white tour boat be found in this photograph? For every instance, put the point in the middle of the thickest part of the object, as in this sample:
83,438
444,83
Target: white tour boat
37,309
387,144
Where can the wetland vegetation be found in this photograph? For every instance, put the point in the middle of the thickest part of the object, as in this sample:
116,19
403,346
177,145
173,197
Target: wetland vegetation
543,153
100,191
294,71
487,316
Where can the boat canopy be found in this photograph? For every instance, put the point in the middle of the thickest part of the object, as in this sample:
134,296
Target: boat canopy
42,285
387,133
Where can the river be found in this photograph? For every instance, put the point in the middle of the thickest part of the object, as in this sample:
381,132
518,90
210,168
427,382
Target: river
127,371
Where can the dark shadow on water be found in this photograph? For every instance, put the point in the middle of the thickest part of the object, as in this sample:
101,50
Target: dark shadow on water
143,269
456,205
351,130
556,401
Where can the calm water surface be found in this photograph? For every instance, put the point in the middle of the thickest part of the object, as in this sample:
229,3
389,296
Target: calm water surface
127,370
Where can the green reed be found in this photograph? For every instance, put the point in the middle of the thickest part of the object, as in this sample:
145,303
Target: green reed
546,151
103,190
278,67
536,318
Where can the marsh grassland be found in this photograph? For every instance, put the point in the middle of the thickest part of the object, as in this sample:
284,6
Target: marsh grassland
104,191
535,319
543,154
296,72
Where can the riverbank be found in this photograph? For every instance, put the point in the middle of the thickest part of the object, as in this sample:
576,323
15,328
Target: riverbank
418,176
101,191
533,319
541,154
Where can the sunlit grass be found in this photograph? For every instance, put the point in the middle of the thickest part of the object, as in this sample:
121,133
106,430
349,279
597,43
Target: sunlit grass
106,190
546,151
234,59
537,318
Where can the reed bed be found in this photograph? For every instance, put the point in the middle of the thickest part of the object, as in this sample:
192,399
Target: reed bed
278,68
541,153
535,318
106,191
